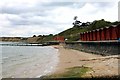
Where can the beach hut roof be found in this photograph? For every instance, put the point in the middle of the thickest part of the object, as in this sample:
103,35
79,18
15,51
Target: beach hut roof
97,29
114,25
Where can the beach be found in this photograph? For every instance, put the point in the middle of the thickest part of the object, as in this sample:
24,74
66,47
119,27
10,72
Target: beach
100,65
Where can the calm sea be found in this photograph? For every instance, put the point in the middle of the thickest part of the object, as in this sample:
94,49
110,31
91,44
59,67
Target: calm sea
28,61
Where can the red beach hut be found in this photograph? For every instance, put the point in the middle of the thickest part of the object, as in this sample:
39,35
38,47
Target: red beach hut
59,38
85,36
113,32
94,35
88,36
107,33
81,36
118,31
98,34
91,37
102,34
87,39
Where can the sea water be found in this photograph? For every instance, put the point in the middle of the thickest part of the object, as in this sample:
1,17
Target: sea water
28,61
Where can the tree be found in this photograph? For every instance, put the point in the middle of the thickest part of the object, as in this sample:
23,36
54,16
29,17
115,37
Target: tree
39,35
99,24
34,35
116,23
75,17
76,23
88,23
50,35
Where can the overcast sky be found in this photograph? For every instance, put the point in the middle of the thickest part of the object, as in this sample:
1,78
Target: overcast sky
37,17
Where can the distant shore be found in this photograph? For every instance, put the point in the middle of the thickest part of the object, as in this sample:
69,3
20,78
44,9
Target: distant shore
98,65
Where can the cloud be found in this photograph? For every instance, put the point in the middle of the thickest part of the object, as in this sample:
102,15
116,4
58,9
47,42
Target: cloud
65,4
29,17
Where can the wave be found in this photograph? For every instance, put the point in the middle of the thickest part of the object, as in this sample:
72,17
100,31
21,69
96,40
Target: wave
5,57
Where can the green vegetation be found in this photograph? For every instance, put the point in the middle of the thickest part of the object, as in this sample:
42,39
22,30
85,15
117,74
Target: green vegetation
73,72
34,35
98,24
47,38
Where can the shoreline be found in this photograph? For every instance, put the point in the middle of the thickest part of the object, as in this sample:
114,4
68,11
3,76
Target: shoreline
100,65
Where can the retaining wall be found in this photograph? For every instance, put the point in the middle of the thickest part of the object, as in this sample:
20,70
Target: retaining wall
102,48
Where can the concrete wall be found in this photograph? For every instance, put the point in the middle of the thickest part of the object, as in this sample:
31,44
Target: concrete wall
102,48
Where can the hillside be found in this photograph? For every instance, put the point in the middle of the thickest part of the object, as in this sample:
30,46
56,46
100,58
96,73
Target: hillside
73,34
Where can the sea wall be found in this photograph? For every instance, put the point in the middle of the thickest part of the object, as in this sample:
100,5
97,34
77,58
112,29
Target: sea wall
102,48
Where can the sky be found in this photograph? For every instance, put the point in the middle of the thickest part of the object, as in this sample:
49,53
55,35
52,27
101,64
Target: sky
24,18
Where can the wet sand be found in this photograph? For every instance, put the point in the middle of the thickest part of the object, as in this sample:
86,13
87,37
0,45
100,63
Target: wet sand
100,65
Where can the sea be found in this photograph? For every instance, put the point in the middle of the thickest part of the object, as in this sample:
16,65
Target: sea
27,61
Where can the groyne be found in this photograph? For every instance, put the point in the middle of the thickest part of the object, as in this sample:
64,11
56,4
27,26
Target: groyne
96,47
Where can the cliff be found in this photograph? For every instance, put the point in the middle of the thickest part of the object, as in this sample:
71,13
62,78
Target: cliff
11,39
33,40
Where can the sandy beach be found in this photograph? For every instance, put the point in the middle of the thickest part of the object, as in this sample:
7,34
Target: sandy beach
100,65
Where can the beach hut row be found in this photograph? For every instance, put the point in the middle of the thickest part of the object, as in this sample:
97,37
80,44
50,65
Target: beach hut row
107,33
59,38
